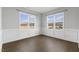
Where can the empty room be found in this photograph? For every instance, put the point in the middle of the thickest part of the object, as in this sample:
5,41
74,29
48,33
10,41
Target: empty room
40,29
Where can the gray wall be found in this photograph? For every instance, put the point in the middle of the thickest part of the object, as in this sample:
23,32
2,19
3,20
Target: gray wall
10,18
77,17
0,23
71,18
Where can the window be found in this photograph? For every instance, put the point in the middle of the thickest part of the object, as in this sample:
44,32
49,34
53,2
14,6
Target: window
59,21
51,22
32,21
56,21
24,20
27,21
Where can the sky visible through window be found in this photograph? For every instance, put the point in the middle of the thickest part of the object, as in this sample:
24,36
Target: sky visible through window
32,18
58,18
50,19
24,18
27,20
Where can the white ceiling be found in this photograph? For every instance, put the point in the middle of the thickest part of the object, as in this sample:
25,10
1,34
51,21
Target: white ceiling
41,9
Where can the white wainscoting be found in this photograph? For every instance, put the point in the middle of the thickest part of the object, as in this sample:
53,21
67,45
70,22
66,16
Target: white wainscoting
59,34
78,36
15,34
10,35
28,33
71,35
67,34
0,40
48,32
54,33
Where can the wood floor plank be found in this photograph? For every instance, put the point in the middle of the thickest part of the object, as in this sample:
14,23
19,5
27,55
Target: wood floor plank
40,43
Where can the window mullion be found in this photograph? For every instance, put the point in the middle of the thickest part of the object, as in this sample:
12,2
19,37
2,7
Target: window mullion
29,22
54,22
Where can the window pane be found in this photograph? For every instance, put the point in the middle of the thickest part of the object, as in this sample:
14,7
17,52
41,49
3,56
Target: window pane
23,20
59,21
32,21
50,22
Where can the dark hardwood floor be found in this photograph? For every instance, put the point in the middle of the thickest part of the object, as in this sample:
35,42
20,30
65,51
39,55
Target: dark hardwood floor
40,44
